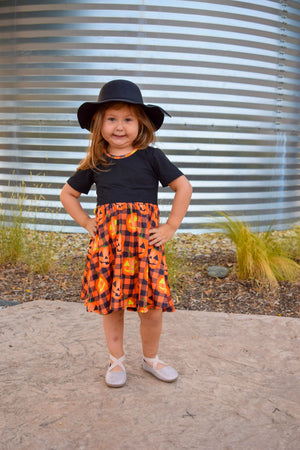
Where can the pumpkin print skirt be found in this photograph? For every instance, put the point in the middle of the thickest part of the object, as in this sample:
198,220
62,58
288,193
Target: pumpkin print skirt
122,270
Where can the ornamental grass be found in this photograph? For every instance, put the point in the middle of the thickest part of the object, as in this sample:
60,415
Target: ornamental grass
20,245
260,256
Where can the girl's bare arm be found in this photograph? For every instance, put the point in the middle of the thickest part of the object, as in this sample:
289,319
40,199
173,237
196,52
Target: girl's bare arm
69,197
183,192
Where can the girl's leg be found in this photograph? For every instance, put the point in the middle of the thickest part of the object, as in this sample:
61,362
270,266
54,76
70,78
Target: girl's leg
151,325
113,325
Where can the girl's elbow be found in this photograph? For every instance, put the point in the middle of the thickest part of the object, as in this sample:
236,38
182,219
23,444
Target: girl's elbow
182,185
62,198
189,187
64,195
68,194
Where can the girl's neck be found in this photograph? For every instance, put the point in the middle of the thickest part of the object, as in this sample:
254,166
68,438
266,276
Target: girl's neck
121,156
119,152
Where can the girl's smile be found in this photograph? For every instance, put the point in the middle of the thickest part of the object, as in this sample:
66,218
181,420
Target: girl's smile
120,128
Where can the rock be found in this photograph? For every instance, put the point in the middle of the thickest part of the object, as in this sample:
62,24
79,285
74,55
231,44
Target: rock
5,303
217,271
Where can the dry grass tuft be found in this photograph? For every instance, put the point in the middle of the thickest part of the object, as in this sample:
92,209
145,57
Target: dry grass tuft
260,256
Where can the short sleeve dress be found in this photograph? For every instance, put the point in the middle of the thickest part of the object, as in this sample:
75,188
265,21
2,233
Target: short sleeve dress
122,270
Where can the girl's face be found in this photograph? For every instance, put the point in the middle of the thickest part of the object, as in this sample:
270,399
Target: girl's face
120,128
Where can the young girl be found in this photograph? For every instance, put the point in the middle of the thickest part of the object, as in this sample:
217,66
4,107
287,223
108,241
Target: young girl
126,265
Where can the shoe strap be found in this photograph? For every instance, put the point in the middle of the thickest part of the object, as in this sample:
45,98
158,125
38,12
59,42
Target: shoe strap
117,362
153,361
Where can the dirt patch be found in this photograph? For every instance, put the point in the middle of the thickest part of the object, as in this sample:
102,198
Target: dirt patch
195,290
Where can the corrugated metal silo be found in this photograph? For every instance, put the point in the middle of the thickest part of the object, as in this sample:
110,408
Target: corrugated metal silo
228,72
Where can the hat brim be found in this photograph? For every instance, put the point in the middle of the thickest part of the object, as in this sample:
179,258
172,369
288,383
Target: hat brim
87,110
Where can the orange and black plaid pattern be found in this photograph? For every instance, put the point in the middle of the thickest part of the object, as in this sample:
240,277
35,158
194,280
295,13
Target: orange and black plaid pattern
122,270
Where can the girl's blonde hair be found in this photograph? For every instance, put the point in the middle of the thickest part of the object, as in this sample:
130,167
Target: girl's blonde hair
97,145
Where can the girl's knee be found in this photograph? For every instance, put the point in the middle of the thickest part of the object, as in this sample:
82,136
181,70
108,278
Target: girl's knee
114,316
153,316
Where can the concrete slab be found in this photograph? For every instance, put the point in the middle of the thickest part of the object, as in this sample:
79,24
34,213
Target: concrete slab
239,385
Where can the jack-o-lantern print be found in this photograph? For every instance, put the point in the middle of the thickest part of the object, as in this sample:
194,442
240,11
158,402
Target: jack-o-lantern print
130,265
143,208
131,222
142,248
116,288
121,206
120,240
101,284
154,258
104,256
100,215
162,286
113,227
129,302
95,244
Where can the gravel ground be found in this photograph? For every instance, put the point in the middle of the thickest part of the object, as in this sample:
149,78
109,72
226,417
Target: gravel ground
193,288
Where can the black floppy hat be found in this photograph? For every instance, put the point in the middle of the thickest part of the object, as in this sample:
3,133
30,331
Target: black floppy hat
120,91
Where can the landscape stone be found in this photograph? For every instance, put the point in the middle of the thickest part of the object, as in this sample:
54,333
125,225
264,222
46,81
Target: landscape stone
5,303
217,271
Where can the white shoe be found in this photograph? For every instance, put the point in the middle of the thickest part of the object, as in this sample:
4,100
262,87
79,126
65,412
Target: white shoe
116,378
167,373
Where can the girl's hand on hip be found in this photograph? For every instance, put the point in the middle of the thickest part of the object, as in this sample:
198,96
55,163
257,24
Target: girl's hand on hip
91,226
159,236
